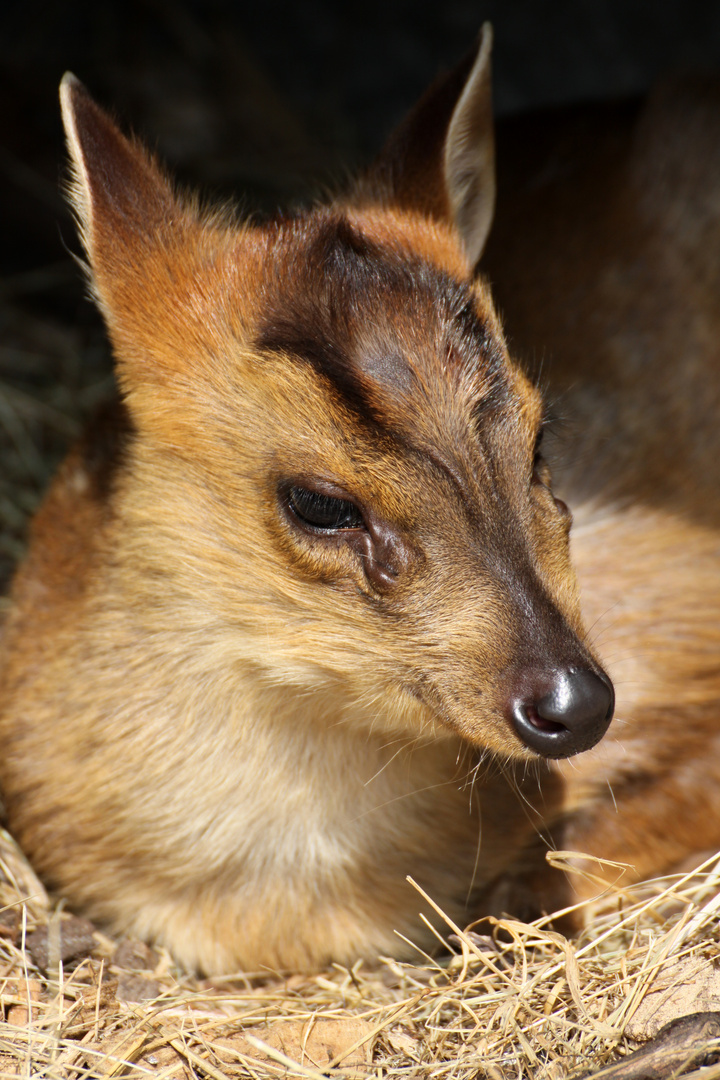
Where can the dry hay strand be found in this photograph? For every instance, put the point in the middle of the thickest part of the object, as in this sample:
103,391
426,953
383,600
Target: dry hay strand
520,1001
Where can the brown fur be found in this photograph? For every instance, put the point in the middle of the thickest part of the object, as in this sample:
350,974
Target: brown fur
604,259
228,734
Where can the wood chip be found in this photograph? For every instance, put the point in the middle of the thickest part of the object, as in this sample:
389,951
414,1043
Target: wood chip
688,985
135,955
683,1044
313,1043
75,941
131,987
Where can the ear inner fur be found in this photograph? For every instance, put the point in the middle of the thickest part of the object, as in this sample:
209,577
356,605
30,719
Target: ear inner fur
469,157
113,177
440,161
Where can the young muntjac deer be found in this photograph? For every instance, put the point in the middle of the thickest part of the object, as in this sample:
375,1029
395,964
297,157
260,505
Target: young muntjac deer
298,617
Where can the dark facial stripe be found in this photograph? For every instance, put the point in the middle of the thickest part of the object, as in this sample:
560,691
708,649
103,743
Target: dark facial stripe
309,320
346,307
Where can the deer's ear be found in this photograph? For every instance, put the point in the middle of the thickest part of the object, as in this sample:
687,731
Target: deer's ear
146,247
120,196
441,160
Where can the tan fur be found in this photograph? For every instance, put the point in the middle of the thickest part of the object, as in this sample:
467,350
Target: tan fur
235,737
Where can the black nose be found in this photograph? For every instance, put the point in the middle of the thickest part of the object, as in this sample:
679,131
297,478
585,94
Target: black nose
570,717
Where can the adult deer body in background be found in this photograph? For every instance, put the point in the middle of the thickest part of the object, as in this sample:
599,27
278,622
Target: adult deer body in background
604,259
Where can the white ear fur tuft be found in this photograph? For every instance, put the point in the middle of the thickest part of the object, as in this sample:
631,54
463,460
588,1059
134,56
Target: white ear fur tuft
78,187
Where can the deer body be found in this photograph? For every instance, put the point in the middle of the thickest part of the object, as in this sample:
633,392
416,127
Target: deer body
298,618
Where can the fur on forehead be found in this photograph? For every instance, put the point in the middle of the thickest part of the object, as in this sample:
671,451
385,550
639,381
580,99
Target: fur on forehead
389,318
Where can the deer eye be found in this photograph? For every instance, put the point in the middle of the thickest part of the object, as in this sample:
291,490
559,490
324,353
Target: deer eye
323,512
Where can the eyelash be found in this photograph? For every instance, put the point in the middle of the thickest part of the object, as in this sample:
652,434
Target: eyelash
324,513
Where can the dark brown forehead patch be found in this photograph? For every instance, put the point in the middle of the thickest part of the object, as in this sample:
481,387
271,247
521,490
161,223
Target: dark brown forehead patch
384,329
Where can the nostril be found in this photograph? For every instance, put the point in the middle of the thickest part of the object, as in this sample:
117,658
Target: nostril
541,722
570,717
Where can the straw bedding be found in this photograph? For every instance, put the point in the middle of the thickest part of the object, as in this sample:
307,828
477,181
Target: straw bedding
517,1000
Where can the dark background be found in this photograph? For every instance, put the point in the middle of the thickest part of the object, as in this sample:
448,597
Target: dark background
261,101
268,98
